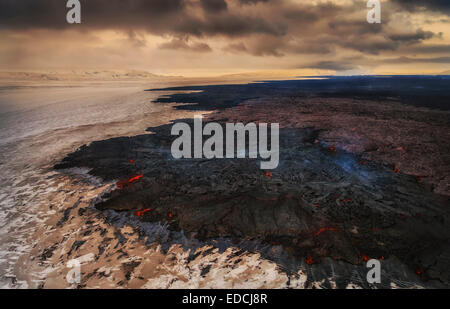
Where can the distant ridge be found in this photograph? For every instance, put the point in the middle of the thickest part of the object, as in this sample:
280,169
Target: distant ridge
82,75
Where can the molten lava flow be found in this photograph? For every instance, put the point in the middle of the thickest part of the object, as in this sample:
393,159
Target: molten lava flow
309,260
396,169
123,183
325,229
135,178
141,213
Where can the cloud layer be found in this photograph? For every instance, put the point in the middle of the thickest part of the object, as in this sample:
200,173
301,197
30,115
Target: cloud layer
330,35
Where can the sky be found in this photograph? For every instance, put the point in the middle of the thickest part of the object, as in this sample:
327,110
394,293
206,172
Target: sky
214,37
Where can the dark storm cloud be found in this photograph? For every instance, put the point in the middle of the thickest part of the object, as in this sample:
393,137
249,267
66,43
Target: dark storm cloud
51,14
31,14
419,35
214,6
246,2
409,60
354,26
300,14
430,49
179,44
229,25
378,40
307,13
154,16
372,46
346,64
434,5
263,27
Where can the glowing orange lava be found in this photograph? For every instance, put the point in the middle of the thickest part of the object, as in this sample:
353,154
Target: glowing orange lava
135,178
141,213
123,183
396,169
325,229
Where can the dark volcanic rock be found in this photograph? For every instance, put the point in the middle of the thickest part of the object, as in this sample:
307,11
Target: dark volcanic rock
423,91
318,203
